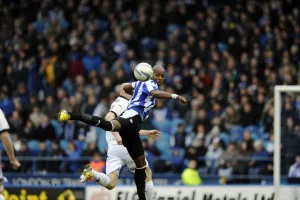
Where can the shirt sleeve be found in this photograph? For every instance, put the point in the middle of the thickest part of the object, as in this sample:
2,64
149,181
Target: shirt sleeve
119,106
149,86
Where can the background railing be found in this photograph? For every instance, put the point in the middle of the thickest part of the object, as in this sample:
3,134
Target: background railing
36,176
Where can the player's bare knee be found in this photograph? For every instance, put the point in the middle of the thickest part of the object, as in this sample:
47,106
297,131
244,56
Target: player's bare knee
110,186
116,125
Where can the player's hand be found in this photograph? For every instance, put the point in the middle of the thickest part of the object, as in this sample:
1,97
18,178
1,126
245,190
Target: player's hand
155,134
15,164
181,99
117,136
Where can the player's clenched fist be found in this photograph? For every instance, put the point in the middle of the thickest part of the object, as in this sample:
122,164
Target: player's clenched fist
181,99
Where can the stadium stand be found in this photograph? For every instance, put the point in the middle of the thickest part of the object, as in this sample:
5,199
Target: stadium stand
224,59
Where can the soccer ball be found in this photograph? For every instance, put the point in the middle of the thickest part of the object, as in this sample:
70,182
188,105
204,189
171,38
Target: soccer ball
143,72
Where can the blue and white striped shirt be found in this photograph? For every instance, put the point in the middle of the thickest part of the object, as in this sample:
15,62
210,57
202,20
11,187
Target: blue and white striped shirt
141,100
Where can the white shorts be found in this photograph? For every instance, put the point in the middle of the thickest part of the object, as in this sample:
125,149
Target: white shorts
3,122
117,157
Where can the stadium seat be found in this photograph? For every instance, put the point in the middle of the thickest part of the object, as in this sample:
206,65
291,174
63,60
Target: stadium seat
163,126
67,85
101,140
80,145
48,145
162,144
236,133
175,124
34,145
225,137
189,129
58,128
64,144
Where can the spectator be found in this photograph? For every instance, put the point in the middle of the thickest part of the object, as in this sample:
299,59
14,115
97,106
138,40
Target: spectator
36,116
270,144
45,130
91,61
16,122
76,67
230,155
98,163
191,176
258,163
247,116
57,155
290,142
24,152
161,114
191,115
50,108
179,139
202,119
42,165
294,171
229,117
28,131
152,148
247,137
243,159
71,131
213,155
73,154
6,104
91,150
176,161
214,135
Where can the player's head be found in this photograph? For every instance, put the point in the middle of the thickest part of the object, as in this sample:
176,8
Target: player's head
158,74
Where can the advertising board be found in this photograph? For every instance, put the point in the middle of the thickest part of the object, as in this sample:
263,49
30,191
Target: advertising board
193,193
33,193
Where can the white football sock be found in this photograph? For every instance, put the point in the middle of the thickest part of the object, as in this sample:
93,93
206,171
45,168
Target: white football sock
149,191
1,197
100,178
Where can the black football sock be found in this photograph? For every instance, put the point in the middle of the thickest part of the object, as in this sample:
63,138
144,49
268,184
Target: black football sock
140,181
93,120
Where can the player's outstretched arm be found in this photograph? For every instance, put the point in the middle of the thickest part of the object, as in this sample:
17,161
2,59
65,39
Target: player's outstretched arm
9,148
155,134
165,95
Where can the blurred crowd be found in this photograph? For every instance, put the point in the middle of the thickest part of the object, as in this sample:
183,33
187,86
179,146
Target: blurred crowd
225,58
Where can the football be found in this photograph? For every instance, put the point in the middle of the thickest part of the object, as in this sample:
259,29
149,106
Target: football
143,72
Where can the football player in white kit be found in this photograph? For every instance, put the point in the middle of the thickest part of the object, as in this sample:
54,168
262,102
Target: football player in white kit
9,148
117,154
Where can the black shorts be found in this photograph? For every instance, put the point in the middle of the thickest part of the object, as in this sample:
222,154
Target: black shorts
129,133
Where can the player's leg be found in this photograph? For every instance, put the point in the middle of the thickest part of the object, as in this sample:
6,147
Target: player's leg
131,140
2,181
140,173
113,125
113,166
149,189
108,181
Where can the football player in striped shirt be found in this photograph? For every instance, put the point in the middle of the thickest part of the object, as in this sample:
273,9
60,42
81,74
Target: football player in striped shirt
129,122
